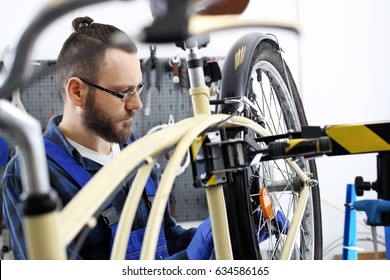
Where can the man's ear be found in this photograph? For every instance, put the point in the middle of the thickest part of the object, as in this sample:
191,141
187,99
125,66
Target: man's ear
77,91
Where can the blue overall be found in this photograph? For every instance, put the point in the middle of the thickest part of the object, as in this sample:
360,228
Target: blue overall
110,215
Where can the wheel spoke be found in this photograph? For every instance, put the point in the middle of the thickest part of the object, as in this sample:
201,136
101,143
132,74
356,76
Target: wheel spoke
273,188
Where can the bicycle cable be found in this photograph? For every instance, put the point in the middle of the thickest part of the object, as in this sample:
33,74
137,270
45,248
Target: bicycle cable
82,236
240,110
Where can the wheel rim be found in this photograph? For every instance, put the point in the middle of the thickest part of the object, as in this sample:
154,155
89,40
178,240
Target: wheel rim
279,115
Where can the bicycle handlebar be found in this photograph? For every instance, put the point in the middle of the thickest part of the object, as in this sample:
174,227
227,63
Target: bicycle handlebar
27,132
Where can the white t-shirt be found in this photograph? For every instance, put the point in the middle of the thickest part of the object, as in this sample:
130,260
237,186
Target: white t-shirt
103,159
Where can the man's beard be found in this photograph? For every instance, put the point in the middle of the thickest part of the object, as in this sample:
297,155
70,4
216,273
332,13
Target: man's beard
104,125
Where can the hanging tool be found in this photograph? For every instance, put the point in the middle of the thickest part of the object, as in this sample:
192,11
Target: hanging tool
151,64
174,64
184,80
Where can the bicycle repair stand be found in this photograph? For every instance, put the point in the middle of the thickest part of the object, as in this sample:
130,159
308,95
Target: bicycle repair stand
377,210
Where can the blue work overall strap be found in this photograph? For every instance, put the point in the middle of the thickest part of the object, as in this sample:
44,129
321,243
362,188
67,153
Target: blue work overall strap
81,176
134,246
136,237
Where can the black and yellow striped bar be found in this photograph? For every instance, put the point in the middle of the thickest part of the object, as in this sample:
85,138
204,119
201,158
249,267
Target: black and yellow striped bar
359,138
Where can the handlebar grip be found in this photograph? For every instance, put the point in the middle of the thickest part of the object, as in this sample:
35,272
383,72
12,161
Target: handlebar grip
300,147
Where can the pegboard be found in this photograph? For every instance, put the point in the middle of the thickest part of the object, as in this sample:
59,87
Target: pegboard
41,97
169,100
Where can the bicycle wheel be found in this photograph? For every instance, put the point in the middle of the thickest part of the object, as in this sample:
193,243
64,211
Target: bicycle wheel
261,199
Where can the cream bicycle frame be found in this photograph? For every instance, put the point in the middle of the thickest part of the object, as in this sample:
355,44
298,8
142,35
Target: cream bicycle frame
62,226
48,235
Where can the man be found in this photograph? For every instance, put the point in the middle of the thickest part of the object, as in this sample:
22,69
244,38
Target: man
100,83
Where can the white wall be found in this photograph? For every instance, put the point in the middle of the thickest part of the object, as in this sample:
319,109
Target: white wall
344,63
339,61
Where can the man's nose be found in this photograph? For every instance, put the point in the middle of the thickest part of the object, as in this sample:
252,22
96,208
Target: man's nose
134,103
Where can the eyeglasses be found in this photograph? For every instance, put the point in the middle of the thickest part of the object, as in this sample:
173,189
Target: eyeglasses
124,96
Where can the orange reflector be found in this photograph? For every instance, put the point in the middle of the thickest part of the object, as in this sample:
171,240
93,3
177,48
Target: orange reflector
266,204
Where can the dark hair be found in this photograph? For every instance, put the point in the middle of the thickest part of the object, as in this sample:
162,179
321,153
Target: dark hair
82,54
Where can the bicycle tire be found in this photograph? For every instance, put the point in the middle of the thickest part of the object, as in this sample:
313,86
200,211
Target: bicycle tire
255,61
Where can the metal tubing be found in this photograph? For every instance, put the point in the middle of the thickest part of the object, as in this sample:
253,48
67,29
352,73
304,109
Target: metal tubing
219,223
44,238
200,100
195,73
129,209
298,212
27,132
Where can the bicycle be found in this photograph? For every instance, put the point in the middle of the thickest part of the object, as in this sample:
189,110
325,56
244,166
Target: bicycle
234,221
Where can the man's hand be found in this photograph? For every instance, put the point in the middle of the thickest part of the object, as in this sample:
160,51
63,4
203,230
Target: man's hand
202,245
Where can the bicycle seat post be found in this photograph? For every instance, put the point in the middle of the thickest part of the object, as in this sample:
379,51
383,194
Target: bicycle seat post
199,92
